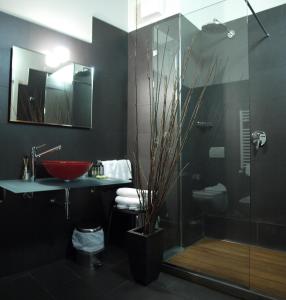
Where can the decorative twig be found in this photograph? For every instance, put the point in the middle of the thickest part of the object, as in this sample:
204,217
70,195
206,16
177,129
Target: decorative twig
171,123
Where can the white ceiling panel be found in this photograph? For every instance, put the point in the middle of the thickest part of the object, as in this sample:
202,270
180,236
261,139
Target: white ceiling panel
75,17
68,16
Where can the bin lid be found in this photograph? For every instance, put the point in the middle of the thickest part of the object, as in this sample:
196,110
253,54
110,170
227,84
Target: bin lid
88,227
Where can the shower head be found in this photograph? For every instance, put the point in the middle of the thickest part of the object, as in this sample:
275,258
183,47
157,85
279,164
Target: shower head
230,32
218,27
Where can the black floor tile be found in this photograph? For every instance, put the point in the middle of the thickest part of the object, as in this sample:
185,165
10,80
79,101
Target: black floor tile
113,255
82,271
12,277
166,287
77,290
65,280
188,289
23,288
54,275
123,270
130,291
105,280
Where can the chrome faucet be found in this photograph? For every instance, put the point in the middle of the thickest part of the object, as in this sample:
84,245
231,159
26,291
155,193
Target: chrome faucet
35,155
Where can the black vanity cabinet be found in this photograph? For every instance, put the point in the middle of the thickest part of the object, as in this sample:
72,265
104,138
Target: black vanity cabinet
33,226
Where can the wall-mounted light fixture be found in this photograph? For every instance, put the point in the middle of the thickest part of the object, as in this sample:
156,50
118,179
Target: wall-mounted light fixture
58,56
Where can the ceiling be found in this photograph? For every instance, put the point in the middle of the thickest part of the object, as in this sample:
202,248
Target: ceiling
68,16
75,17
199,12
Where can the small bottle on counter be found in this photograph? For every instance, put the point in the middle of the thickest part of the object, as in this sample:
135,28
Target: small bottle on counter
94,170
100,168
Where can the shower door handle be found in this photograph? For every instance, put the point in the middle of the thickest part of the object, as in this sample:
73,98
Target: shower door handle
258,138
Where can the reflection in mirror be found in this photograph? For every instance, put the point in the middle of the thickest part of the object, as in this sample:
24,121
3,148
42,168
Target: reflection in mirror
47,95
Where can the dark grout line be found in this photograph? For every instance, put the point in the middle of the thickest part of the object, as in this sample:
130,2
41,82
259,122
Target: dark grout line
10,278
46,290
116,288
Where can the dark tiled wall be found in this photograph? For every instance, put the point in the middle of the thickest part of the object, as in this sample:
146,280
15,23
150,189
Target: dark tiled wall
264,217
34,231
220,106
262,220
108,54
212,44
268,113
226,94
144,38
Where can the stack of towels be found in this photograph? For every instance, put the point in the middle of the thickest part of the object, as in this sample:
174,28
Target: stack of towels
127,198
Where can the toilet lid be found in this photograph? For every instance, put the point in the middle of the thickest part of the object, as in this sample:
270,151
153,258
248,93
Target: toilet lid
206,194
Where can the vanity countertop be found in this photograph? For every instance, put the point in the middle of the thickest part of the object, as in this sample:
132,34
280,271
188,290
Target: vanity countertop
18,186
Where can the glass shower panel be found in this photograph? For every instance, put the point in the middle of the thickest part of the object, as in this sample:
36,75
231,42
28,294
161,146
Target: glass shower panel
215,187
165,81
268,169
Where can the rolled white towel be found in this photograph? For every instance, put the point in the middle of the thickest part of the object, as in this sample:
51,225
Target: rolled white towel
134,207
127,200
129,192
121,206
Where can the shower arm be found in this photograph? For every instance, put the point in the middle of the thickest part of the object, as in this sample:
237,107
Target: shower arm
257,19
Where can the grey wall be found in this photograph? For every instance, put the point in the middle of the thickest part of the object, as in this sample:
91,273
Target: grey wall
220,107
212,44
268,113
226,94
262,220
34,231
252,78
108,54
146,41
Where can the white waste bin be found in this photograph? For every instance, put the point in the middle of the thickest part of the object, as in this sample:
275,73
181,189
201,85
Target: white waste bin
88,241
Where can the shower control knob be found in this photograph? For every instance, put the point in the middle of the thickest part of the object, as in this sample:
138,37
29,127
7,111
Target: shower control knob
258,138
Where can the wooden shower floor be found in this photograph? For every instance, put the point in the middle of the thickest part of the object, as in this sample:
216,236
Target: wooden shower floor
258,268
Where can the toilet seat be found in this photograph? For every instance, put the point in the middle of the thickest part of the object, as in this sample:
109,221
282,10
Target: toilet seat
212,199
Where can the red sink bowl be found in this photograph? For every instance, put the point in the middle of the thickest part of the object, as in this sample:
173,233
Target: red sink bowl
66,169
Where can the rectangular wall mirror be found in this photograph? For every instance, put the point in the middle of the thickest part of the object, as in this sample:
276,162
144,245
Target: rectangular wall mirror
42,94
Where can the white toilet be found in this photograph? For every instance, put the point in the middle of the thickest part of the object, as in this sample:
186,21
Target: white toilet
212,199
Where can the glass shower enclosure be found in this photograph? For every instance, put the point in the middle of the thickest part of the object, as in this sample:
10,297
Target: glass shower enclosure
214,228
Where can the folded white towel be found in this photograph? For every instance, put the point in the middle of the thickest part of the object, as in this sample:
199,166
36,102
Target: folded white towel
109,166
123,169
130,192
117,169
127,200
